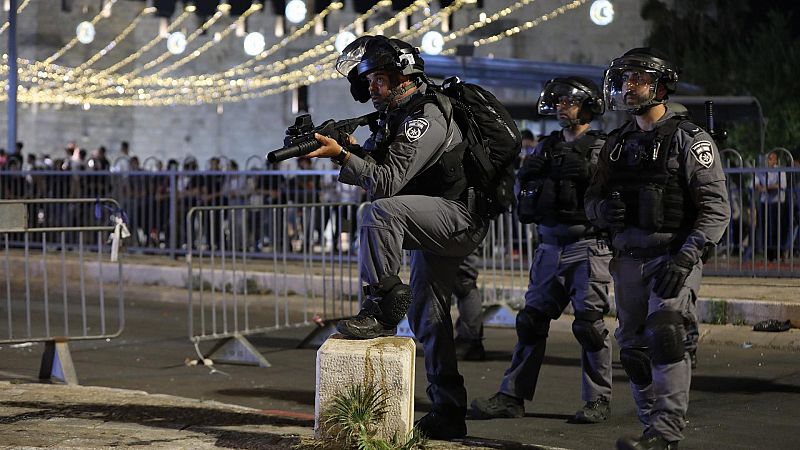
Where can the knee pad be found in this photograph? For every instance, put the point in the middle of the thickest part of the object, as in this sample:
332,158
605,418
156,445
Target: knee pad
532,326
665,333
583,327
636,363
388,300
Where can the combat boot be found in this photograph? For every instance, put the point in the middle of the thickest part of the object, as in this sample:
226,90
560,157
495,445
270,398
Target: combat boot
498,406
386,304
364,326
470,350
442,426
654,442
595,411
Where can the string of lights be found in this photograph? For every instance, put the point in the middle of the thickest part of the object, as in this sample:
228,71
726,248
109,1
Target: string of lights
114,42
100,16
49,82
19,10
526,26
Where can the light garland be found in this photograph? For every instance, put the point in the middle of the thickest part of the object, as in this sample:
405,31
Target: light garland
100,16
19,10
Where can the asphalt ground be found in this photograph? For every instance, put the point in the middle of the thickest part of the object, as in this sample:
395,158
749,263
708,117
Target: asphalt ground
744,392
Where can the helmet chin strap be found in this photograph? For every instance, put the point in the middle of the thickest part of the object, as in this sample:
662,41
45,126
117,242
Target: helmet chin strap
400,92
641,110
569,123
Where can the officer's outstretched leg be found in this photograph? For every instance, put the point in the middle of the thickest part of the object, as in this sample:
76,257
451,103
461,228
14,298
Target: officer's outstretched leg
385,306
432,280
519,381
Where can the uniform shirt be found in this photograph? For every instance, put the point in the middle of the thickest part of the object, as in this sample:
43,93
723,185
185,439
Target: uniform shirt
569,230
418,143
697,161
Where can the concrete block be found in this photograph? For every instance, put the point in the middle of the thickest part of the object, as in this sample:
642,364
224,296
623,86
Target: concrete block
387,363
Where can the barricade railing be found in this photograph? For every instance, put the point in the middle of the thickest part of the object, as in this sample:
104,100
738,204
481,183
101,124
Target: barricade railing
309,272
762,239
59,282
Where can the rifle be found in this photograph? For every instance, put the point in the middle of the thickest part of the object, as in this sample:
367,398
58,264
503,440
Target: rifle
300,138
719,136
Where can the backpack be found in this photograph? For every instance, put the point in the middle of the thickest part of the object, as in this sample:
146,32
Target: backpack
492,141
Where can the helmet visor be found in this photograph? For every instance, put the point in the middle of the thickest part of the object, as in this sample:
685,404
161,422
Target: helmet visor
557,95
628,88
352,55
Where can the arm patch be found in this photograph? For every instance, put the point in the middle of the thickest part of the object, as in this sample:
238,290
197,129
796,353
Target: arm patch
703,152
415,129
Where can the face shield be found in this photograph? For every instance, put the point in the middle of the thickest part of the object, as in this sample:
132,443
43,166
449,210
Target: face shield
561,95
630,88
352,55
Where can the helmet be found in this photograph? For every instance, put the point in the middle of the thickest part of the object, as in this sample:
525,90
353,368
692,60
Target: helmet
580,91
370,53
639,66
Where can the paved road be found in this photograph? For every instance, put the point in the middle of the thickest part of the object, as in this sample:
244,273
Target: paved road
742,398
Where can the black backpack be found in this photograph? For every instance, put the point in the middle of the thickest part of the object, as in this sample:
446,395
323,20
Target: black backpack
493,142
490,137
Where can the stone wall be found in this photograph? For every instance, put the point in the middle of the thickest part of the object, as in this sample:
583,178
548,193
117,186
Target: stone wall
239,130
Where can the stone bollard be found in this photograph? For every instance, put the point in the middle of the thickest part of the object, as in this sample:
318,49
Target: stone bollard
387,363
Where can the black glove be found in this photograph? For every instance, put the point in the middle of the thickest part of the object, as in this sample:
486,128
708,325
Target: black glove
673,274
533,166
612,211
574,167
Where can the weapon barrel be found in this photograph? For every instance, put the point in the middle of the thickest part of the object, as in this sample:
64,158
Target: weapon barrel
293,151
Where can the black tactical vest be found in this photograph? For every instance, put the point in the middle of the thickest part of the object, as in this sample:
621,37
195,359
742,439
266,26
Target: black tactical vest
444,179
559,200
653,192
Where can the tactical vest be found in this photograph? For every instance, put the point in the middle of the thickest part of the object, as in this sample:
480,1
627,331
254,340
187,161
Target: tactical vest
559,200
445,178
653,192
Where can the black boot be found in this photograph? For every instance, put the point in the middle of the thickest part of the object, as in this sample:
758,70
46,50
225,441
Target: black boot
595,411
499,406
654,442
386,304
443,426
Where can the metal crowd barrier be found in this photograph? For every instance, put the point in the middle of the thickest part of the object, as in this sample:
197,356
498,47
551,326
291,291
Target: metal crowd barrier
309,272
763,239
58,282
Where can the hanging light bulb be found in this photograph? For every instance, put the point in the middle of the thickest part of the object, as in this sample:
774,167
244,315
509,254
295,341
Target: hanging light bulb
254,43
190,7
296,11
176,43
85,32
107,9
343,39
224,7
432,43
601,12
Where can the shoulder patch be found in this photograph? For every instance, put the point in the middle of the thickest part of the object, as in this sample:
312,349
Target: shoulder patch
703,153
692,129
415,129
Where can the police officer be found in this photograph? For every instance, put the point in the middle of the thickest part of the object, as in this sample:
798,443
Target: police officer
659,187
571,261
417,203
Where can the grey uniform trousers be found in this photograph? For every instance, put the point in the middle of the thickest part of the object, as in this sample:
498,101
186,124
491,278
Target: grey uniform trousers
439,233
469,326
661,405
576,273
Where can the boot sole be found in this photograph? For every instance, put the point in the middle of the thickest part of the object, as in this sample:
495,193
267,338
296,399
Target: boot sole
356,334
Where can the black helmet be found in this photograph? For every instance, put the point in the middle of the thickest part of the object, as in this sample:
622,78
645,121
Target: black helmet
370,53
646,62
581,91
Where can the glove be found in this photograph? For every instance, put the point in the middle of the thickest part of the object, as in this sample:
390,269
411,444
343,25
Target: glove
533,166
673,274
612,211
574,167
